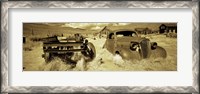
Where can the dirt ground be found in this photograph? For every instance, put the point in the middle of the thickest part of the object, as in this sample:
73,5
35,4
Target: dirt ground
104,61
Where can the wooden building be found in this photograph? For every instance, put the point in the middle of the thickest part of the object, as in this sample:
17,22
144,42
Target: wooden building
143,31
167,28
102,32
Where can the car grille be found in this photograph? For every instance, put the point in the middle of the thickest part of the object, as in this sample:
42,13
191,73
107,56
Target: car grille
145,48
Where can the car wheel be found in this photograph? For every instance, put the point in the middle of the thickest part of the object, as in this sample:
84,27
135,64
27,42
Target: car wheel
90,52
47,57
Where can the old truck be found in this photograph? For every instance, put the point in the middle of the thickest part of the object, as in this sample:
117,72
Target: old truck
129,45
66,47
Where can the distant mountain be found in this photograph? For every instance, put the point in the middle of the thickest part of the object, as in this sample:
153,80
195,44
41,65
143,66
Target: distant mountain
89,28
50,29
133,26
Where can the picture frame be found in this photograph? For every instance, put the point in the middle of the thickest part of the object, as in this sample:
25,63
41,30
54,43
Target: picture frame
6,5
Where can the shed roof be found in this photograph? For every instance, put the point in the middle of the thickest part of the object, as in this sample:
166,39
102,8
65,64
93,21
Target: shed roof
170,24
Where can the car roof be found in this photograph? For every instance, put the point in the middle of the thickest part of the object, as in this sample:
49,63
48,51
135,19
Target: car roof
119,30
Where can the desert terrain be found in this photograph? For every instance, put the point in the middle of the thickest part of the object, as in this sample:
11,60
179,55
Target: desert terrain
104,60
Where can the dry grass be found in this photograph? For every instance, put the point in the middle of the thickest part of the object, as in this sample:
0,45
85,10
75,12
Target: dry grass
56,65
104,60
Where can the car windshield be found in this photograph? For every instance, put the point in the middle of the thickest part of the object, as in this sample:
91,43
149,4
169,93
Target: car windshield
126,33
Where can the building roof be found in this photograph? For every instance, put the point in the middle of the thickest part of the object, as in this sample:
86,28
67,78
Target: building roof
113,31
169,24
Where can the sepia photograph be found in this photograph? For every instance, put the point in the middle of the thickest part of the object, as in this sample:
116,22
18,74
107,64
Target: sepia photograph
49,46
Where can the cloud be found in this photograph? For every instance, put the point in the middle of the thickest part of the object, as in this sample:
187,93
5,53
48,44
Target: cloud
75,25
120,24
92,26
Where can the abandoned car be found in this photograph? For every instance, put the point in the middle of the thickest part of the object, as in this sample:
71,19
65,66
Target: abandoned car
66,47
130,46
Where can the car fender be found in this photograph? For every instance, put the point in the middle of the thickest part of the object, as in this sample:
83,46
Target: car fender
158,52
128,54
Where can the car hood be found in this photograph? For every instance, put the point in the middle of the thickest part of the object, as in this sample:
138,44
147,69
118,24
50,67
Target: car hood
130,39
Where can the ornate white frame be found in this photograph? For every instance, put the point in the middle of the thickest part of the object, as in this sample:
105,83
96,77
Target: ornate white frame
98,4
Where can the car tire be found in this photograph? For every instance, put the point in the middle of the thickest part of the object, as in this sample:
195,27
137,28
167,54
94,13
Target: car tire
90,52
47,57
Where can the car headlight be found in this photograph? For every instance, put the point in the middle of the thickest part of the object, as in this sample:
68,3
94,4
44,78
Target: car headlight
85,41
153,45
44,47
134,46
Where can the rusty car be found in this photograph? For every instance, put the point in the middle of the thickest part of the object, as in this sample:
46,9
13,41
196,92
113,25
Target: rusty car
66,47
129,45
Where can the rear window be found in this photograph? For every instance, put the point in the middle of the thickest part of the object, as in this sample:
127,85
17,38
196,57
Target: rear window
126,33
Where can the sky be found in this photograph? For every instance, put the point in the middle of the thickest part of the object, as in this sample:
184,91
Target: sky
93,26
